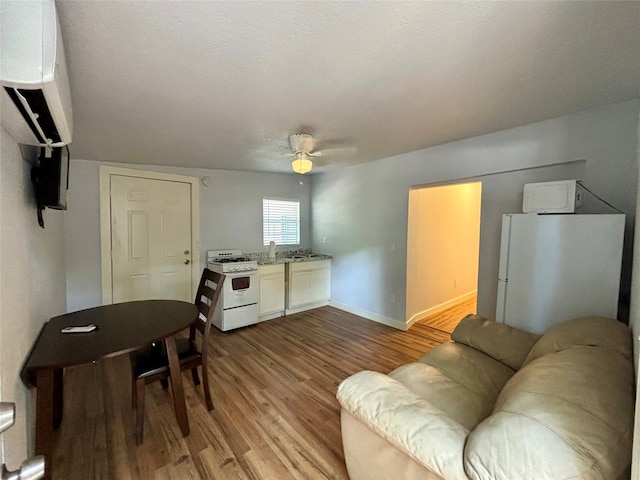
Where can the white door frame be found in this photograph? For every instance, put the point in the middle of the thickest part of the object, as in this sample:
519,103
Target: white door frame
105,222
411,220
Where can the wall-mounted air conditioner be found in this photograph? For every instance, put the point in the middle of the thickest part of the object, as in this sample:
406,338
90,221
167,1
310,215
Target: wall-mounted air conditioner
35,95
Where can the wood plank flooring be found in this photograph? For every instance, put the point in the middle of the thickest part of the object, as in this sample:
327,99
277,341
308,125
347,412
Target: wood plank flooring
448,319
275,416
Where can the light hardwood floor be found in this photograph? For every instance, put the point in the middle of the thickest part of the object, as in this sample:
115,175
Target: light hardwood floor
275,416
448,320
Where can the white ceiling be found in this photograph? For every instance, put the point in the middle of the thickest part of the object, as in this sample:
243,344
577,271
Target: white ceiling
222,84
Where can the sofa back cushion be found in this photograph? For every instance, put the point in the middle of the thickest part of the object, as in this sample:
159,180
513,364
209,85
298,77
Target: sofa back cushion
589,331
565,415
461,381
504,343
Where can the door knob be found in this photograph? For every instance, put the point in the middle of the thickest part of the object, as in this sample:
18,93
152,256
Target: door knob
187,262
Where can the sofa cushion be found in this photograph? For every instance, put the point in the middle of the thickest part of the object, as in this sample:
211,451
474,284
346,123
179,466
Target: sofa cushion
461,381
589,331
504,343
566,415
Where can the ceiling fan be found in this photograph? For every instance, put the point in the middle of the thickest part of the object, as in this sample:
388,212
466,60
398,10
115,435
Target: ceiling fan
303,149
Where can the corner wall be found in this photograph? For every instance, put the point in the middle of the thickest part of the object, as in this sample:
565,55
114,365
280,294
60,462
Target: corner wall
32,290
634,323
362,209
634,314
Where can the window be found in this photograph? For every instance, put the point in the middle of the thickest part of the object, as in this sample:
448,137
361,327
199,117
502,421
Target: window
280,222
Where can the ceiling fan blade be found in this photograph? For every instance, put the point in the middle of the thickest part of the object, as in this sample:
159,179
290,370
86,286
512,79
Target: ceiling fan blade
340,151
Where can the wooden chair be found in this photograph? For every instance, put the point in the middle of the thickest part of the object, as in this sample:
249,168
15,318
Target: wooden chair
151,363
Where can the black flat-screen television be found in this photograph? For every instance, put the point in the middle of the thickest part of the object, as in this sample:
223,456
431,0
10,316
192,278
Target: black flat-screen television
50,179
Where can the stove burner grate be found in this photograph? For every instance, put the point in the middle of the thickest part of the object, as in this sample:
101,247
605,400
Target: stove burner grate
230,260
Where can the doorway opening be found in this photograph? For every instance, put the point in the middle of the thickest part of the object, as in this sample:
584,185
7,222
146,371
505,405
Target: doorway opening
443,246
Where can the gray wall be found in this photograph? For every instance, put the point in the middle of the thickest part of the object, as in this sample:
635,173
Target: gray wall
32,289
230,217
363,209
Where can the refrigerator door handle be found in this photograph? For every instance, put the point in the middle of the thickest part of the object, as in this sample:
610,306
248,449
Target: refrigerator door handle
503,268
501,301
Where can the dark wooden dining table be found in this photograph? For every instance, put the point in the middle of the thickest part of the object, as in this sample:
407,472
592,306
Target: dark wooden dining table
121,328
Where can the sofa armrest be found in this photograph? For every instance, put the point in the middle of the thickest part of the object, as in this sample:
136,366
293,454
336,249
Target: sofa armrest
406,420
506,344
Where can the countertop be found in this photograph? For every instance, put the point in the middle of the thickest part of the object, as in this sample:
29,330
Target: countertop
263,259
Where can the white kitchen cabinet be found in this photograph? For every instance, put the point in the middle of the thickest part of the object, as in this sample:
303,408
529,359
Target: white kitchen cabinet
309,285
271,303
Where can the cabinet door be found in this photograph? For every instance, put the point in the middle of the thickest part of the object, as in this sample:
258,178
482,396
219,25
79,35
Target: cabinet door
309,284
320,285
300,288
271,293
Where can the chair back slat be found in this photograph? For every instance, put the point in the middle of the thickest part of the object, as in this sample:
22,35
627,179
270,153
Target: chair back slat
208,292
206,300
203,312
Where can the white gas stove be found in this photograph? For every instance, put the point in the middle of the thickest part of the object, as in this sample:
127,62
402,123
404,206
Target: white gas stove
238,303
226,261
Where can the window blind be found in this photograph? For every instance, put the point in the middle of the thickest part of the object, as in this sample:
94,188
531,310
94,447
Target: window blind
280,222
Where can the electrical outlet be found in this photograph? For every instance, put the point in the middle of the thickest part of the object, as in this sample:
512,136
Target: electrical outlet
392,247
324,239
392,298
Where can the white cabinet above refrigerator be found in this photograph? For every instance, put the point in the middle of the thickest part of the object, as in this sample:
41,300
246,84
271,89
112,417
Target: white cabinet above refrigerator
557,267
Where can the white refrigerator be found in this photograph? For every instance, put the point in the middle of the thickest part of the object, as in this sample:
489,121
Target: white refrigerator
558,267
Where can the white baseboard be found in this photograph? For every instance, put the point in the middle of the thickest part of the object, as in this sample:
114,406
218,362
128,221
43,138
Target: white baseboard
270,316
291,311
391,322
440,308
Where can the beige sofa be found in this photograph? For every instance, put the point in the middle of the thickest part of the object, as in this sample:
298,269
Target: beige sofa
498,403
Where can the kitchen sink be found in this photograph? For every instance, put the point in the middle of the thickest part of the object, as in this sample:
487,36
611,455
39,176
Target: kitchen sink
305,256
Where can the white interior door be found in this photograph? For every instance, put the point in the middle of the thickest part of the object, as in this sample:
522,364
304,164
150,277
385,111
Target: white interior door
150,239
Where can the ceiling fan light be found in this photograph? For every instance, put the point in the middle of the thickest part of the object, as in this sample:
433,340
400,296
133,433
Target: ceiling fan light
301,164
